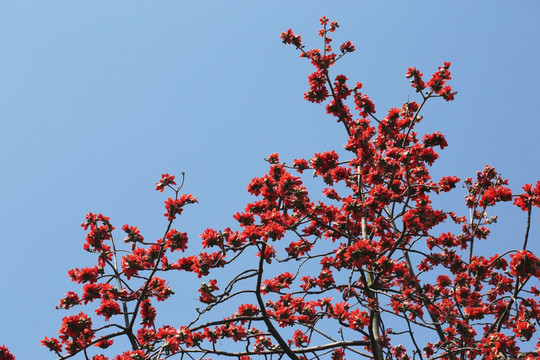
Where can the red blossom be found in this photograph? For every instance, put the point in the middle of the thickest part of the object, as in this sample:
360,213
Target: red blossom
364,252
76,332
52,344
148,313
524,264
435,139
133,235
104,344
206,291
347,47
84,275
176,240
247,310
494,195
300,339
70,300
132,355
108,308
289,38
529,198
166,180
448,183
175,206
5,354
416,79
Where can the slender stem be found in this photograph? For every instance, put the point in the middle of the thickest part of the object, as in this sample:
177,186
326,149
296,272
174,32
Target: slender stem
528,227
266,319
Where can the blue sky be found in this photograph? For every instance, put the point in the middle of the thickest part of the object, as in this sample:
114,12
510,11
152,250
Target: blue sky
97,99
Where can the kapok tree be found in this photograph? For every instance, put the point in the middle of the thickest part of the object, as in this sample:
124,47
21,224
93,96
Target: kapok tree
361,272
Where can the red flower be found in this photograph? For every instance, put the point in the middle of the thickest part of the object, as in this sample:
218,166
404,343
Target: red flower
495,194
524,330
5,354
166,180
206,292
133,235
301,165
247,310
104,343
108,308
100,357
416,79
148,313
76,332
273,158
531,197
447,183
360,253
86,274
175,206
52,344
289,38
132,355
176,240
347,47
70,300
300,339
435,139
524,264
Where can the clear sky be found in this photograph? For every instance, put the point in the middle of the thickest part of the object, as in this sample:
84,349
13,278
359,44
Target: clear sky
98,98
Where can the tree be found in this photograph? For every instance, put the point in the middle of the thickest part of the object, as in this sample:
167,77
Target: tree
356,273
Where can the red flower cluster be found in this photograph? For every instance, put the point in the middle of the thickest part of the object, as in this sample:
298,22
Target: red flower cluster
5,354
289,38
416,79
436,83
76,333
365,254
529,198
166,180
176,206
